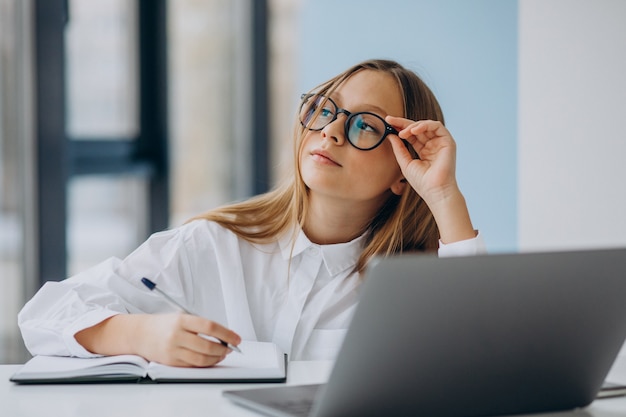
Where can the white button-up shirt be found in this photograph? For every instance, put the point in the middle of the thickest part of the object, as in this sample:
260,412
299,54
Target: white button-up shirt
301,298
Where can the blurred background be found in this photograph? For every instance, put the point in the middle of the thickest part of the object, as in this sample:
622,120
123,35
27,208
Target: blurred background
119,118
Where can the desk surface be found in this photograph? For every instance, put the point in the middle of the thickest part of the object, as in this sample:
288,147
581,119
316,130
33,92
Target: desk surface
190,400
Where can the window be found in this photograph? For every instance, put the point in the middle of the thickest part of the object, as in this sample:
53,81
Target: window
114,124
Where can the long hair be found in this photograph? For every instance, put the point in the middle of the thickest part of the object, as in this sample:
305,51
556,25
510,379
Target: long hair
403,224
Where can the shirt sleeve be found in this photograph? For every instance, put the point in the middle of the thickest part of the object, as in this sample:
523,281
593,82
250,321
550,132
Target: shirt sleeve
468,247
59,310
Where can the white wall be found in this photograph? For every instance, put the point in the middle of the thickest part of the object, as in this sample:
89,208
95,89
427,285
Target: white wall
572,106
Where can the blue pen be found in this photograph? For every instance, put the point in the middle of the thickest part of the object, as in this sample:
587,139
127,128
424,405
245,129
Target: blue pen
153,287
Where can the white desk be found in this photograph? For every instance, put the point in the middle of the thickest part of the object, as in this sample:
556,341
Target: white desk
190,400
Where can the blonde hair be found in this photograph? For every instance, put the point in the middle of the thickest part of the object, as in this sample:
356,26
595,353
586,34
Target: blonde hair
403,224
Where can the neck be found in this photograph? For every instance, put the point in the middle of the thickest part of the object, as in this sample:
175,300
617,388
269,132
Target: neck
332,221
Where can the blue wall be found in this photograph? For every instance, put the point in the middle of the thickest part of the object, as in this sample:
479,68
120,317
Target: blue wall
466,51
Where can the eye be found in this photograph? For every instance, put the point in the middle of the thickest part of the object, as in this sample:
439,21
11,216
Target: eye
326,109
362,125
326,112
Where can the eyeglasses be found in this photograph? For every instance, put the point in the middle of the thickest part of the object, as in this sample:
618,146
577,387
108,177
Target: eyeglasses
364,130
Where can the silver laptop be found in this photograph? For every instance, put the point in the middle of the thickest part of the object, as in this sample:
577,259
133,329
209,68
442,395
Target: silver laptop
470,336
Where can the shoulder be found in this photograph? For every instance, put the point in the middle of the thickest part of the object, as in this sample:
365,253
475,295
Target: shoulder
195,234
201,231
196,242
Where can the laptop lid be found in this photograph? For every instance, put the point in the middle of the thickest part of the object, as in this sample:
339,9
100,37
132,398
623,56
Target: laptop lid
481,335
471,336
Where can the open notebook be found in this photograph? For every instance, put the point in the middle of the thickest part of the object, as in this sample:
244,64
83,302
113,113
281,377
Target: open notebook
258,362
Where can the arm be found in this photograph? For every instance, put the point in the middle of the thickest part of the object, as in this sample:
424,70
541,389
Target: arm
170,339
87,315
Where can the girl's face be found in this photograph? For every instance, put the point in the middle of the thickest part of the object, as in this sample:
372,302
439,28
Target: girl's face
332,167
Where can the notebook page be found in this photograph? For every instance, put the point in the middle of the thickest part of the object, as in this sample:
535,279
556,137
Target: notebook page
67,367
257,360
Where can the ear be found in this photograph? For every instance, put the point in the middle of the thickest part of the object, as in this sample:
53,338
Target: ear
398,187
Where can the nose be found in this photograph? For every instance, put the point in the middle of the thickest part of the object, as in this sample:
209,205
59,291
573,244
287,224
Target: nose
335,130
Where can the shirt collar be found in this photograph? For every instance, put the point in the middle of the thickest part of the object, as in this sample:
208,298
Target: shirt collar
337,257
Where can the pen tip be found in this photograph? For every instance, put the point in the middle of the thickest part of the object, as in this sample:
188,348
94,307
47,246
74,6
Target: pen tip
148,283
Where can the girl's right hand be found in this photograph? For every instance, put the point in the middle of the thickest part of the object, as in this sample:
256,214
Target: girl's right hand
170,339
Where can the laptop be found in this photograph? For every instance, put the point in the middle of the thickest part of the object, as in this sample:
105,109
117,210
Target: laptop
470,336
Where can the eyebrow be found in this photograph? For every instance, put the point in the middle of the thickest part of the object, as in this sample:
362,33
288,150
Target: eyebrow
369,107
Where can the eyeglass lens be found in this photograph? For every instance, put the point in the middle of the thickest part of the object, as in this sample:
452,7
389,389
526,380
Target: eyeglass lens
364,130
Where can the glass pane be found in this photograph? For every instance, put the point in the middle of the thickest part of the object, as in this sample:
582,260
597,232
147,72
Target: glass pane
14,182
106,217
201,45
101,69
209,45
283,43
11,244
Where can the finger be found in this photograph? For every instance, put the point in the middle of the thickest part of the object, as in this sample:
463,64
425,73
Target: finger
204,345
428,129
192,350
400,123
416,133
402,154
196,324
190,358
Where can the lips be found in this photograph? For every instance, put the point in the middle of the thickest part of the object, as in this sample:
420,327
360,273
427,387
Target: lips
323,156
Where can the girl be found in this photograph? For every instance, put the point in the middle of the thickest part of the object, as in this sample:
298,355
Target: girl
374,175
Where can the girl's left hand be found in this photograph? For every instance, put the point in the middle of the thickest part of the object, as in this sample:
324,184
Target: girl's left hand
433,176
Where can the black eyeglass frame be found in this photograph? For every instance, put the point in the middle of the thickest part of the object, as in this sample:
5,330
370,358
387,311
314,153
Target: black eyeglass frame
388,128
